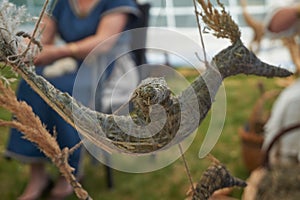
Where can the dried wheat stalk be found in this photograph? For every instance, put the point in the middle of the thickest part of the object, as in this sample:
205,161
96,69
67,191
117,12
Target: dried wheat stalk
33,129
26,121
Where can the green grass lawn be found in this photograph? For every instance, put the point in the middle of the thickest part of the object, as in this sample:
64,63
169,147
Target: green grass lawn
170,182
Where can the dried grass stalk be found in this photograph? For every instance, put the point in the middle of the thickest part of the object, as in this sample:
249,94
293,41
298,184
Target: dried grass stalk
33,129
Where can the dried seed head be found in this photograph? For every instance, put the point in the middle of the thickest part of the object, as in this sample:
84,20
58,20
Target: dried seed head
219,21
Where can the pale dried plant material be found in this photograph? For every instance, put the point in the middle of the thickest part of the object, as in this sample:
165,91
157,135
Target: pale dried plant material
219,21
11,18
12,39
257,27
104,130
33,129
253,182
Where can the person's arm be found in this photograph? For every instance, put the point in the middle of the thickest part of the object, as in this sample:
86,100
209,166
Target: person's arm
110,25
284,19
49,29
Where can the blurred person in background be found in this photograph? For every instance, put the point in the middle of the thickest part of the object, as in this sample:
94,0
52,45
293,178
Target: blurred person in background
82,25
285,113
283,20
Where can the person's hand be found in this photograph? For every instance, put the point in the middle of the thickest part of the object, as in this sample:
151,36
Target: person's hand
48,55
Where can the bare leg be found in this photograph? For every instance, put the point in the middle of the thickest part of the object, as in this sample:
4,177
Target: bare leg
38,181
61,189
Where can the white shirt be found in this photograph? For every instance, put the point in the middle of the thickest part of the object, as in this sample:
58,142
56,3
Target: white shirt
285,112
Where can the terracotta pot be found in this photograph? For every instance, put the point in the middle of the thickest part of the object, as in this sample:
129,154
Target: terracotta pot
252,136
251,144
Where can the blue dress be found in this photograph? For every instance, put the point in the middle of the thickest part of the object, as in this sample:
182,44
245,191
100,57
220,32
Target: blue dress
71,28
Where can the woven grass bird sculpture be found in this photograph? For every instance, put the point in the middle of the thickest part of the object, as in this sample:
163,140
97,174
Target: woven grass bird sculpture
133,133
